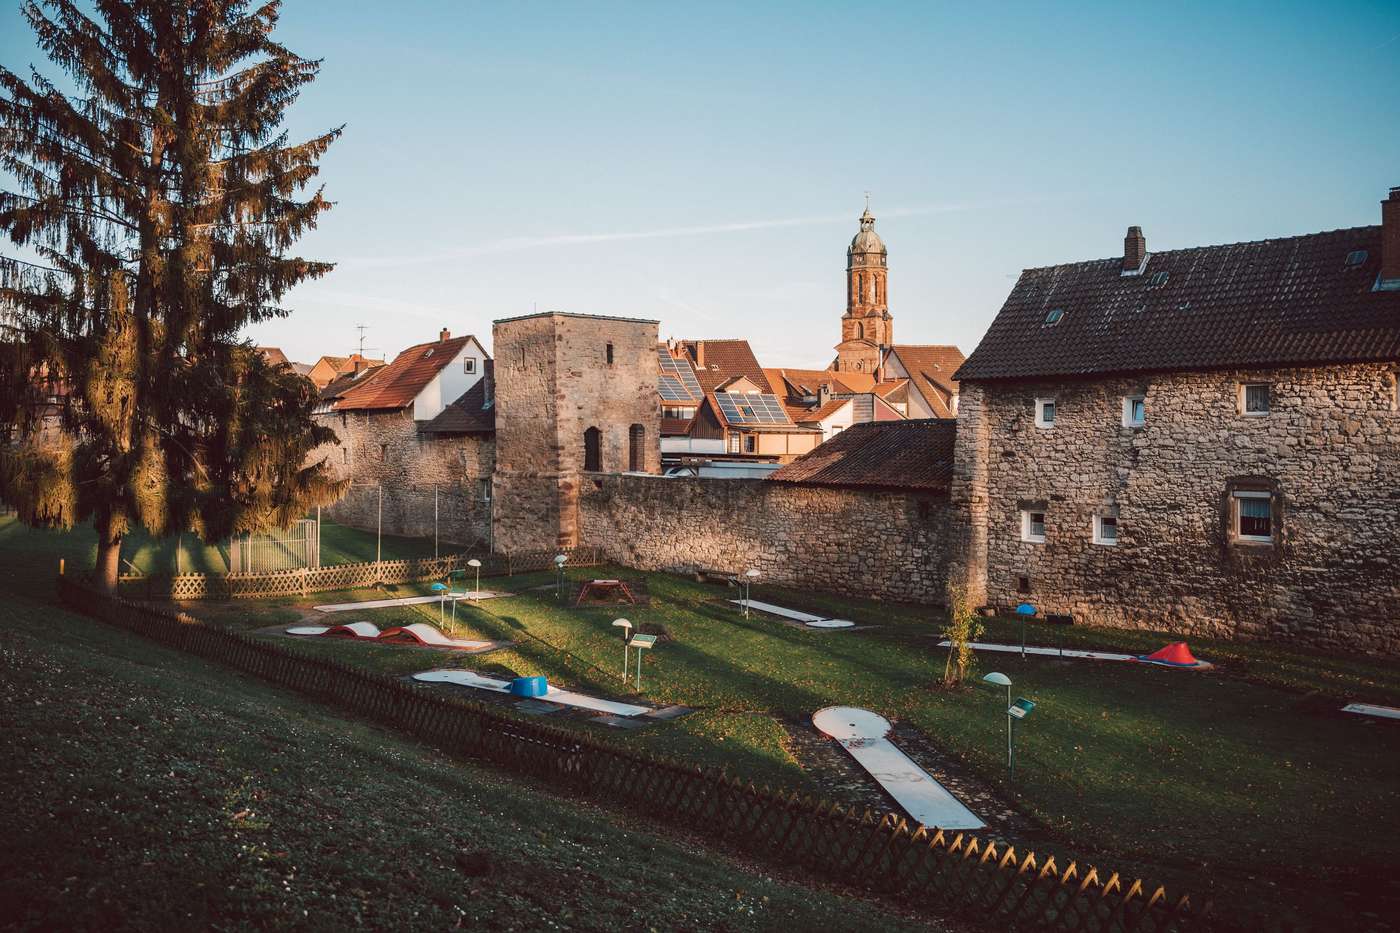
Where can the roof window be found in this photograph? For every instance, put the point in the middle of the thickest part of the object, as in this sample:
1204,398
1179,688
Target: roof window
428,354
1158,279
1054,317
1355,258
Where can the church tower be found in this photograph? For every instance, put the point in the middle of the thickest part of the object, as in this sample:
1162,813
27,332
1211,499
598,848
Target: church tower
866,328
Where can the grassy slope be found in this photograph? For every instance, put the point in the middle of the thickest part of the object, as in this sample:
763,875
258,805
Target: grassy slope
1248,770
145,789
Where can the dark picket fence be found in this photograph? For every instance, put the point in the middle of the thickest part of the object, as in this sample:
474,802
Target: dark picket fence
953,873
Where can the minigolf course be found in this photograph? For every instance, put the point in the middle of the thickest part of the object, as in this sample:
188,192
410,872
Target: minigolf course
404,601
552,694
1176,655
806,618
1369,709
417,633
865,736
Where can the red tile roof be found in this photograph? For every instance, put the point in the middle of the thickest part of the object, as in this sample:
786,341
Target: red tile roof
273,355
1291,301
725,359
931,367
916,455
676,426
396,385
338,386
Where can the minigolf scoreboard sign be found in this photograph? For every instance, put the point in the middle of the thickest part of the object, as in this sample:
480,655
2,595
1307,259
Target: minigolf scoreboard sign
1021,708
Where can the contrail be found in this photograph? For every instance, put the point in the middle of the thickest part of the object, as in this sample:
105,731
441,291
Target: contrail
517,244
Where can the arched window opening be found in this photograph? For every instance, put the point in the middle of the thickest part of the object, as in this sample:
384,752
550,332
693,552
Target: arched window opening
636,448
593,450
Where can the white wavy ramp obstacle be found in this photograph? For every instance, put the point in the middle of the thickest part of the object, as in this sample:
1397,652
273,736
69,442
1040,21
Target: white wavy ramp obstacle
552,694
865,736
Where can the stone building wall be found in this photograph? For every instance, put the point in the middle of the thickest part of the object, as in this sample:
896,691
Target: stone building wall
385,449
554,381
1329,447
886,545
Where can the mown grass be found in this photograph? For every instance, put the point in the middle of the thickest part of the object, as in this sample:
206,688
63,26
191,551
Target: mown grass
145,789
1245,783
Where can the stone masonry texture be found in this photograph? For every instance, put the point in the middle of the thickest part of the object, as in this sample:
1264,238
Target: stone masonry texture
1329,448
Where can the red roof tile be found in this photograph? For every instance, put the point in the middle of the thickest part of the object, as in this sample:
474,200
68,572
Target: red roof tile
396,385
931,367
725,359
1291,301
880,455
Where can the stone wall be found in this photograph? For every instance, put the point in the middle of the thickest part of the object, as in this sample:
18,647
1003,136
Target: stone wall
385,449
554,381
1329,448
886,545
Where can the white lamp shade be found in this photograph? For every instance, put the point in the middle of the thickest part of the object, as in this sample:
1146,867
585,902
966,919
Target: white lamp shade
1001,680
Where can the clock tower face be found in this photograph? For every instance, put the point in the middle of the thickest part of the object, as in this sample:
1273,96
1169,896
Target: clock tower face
866,327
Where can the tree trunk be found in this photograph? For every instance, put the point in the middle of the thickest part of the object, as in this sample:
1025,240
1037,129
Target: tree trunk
109,552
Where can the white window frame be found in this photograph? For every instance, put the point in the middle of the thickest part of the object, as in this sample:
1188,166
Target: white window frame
1244,395
1128,420
1098,536
734,442
468,365
1236,515
1040,421
1026,534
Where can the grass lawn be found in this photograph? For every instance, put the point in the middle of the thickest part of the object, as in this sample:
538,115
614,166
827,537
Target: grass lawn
340,544
145,789
1248,771
1243,784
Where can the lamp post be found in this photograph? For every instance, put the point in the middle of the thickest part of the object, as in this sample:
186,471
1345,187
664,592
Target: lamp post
559,561
1001,680
474,563
626,637
749,576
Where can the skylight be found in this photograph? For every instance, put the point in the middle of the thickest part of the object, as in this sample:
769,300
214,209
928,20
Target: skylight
1159,279
1054,317
1356,257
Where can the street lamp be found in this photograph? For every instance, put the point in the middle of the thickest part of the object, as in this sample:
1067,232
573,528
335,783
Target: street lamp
1001,680
559,561
749,576
626,637
476,596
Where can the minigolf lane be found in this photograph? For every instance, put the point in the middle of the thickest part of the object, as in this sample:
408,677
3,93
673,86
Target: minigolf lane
865,736
552,694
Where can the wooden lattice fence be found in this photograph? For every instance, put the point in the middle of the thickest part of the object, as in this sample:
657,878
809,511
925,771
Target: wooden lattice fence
948,872
342,576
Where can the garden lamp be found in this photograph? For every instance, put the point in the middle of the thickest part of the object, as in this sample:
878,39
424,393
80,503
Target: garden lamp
1001,680
626,636
477,565
749,576
559,560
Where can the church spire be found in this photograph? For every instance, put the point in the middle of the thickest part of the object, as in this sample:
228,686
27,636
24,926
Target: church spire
865,327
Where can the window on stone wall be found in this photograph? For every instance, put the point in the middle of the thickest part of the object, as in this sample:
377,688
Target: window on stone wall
610,354
1134,411
1033,526
345,455
342,419
1106,528
593,450
383,452
1252,515
636,448
1045,413
483,490
1254,398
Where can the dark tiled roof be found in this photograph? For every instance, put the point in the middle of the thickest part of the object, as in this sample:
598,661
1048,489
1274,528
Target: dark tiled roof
880,455
396,385
1291,301
470,414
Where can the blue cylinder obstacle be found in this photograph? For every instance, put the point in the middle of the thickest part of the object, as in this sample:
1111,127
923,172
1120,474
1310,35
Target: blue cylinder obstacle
528,687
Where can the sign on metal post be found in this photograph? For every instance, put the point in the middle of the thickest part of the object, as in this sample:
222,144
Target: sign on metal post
641,642
1021,708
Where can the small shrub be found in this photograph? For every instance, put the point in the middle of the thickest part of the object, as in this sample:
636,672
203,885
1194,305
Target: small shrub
961,630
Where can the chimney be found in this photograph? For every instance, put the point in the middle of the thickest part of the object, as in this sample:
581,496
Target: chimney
443,335
360,363
823,394
699,354
1390,242
1134,249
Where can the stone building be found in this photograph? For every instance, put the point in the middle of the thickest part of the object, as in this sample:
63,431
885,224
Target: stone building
415,438
576,394
1204,439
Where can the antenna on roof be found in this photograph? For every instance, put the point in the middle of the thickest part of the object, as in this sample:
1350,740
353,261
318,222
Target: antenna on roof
362,328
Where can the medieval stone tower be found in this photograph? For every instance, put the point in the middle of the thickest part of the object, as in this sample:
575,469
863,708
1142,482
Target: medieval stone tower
866,326
574,394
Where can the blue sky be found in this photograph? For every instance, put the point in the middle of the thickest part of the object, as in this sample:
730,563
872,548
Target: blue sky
704,163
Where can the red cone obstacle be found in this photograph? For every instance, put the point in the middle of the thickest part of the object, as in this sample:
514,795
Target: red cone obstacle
1177,654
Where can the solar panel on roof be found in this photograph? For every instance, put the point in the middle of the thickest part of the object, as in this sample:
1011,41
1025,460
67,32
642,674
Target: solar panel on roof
680,371
671,389
751,408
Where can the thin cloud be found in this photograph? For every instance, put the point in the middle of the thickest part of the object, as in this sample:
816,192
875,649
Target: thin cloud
518,244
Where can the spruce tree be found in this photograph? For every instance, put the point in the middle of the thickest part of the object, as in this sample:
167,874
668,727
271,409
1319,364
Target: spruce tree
154,210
